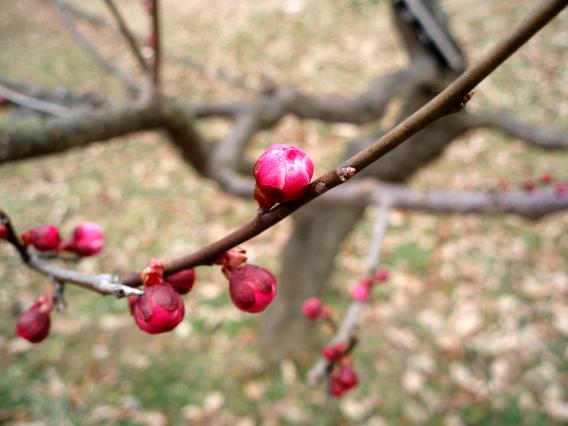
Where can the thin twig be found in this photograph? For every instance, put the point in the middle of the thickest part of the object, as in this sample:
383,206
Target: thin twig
156,48
31,103
127,34
114,69
353,313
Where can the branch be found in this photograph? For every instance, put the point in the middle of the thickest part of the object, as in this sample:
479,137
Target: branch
353,313
444,103
27,140
156,38
541,137
58,95
127,34
114,69
530,205
102,283
32,103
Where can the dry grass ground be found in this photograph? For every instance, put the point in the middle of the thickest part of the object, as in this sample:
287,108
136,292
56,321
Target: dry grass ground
473,327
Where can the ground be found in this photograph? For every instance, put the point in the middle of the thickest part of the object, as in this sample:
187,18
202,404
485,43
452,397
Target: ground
472,328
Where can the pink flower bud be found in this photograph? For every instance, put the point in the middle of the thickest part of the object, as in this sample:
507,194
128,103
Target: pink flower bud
3,231
251,288
88,239
336,388
33,324
334,353
312,308
347,377
360,292
529,187
182,281
159,310
382,275
283,173
44,238
546,178
560,189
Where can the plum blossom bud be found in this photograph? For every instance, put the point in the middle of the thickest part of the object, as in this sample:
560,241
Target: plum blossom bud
334,353
561,189
43,238
3,231
343,379
182,282
529,187
360,292
382,275
312,308
88,239
283,173
160,308
546,178
33,324
251,288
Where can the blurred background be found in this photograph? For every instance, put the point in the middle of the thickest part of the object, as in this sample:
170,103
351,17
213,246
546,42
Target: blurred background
471,329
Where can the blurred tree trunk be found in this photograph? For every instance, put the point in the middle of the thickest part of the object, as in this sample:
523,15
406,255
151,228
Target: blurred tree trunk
309,255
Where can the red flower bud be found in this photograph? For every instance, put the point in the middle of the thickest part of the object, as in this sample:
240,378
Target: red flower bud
529,187
347,376
546,178
33,324
182,281
283,173
44,238
360,292
381,276
159,310
88,239
560,189
336,388
251,288
334,353
312,308
3,231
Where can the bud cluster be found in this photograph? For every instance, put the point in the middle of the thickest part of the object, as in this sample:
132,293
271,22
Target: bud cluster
314,309
560,188
87,239
362,290
34,323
